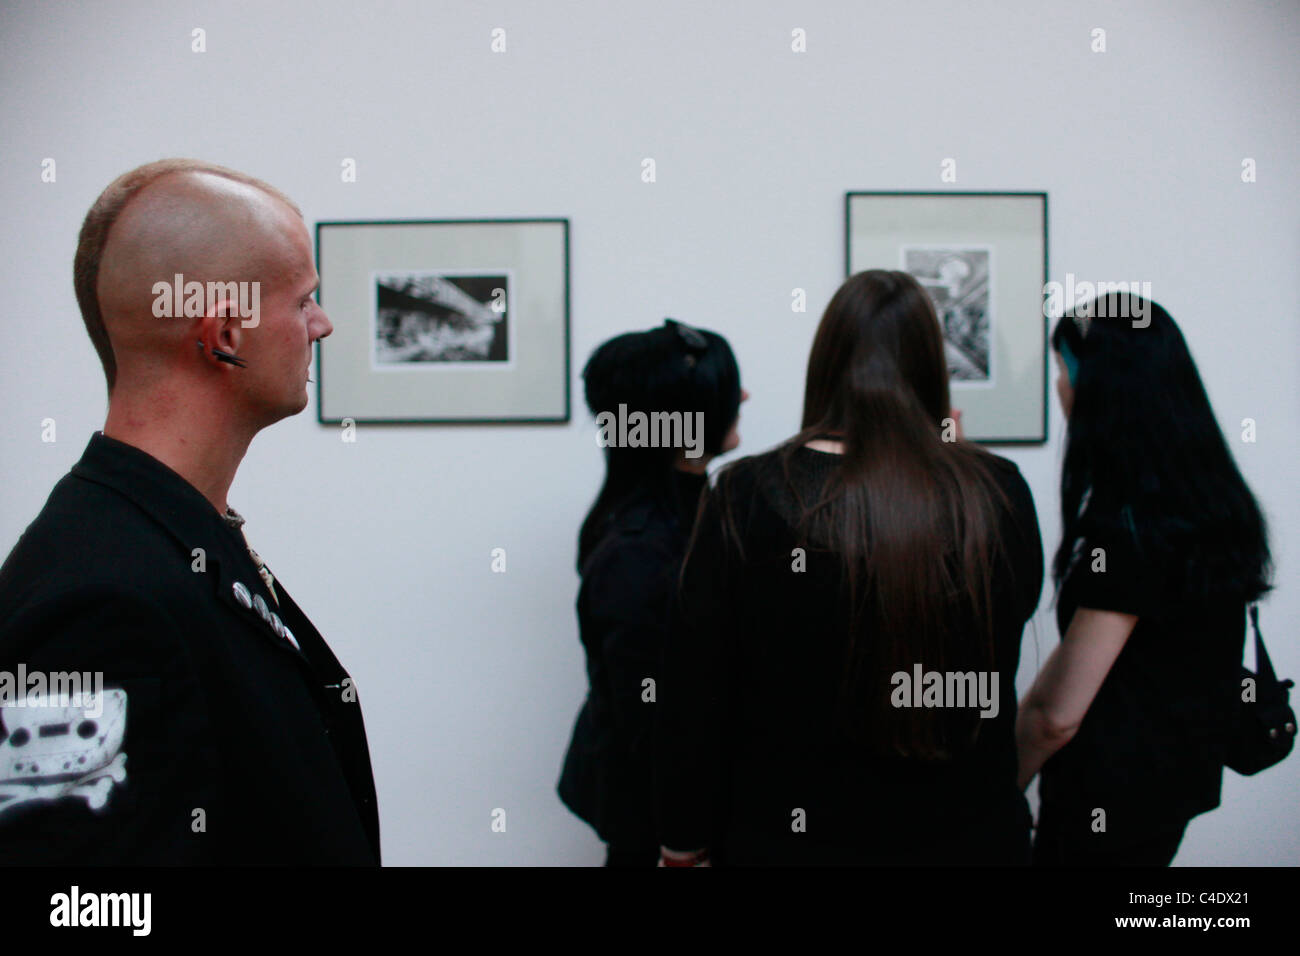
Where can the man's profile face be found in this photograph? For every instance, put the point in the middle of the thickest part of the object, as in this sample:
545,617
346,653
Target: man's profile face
279,349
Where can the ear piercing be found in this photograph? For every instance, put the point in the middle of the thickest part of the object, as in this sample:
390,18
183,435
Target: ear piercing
226,357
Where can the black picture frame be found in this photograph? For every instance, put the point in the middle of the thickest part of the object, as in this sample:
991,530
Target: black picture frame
356,277
985,427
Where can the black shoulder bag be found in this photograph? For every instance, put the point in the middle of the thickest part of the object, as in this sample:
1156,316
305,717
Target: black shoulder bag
1265,730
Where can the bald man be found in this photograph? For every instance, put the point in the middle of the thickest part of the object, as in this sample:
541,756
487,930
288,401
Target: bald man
162,698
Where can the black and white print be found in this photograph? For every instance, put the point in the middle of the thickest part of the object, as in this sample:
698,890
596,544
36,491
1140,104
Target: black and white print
957,279
51,750
440,318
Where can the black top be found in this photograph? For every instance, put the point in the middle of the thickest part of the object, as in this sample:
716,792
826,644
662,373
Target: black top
748,735
211,707
628,583
1150,750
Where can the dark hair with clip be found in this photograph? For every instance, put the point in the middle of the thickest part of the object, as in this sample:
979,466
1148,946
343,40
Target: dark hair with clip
673,368
694,340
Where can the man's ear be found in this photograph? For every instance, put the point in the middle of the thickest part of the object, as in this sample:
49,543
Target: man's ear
220,327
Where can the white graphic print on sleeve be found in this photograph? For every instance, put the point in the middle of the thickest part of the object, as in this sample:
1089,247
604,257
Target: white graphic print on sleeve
49,751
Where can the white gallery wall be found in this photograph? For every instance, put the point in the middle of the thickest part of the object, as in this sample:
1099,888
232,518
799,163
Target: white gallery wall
470,679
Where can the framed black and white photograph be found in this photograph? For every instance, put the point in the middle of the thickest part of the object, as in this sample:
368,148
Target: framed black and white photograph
957,280
423,317
982,259
445,321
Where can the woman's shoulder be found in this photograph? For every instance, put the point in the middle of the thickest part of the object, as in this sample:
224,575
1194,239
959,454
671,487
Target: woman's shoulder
783,460
636,530
1004,469
768,476
631,557
1021,534
738,476
1009,478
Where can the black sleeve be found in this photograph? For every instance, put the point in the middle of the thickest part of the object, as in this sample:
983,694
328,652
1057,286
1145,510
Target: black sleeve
1024,542
112,780
695,691
1109,575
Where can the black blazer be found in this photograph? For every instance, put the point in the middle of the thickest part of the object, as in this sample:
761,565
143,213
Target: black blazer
629,581
220,742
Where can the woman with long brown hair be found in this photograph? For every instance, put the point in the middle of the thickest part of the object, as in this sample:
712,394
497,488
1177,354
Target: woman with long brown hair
840,683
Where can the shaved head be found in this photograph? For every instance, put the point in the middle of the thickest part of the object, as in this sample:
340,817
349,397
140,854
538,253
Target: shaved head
205,222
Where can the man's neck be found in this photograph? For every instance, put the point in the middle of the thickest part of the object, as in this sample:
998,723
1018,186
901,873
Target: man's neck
204,449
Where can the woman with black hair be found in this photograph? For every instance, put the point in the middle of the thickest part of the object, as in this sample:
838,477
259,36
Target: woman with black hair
1163,546
667,401
840,687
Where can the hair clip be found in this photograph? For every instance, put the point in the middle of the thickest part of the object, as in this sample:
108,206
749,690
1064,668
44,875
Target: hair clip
696,343
227,357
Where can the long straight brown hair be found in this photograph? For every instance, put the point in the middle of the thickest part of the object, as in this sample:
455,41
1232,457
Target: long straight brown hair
912,514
